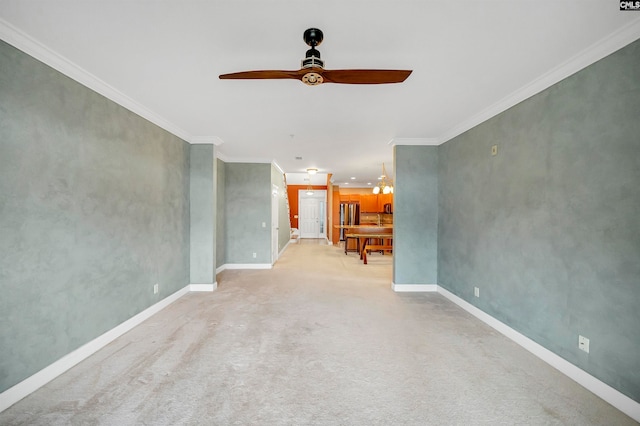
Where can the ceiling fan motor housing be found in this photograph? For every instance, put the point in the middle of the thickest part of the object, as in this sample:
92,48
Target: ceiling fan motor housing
312,59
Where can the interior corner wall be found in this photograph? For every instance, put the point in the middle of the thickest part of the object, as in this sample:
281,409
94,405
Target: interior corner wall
221,252
415,217
247,205
94,210
549,228
203,214
284,226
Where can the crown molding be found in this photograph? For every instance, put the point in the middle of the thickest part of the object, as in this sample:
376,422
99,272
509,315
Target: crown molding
204,140
228,159
599,50
39,51
221,156
414,141
277,166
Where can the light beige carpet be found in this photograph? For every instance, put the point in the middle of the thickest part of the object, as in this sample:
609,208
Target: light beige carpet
321,339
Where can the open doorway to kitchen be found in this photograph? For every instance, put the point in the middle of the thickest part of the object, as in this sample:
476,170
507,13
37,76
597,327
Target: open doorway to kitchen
312,213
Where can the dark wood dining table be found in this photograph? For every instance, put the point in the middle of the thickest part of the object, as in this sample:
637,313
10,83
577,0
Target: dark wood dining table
363,234
364,238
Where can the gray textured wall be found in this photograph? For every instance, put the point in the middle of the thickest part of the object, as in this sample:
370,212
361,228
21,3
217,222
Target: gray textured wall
94,210
247,205
415,217
221,252
284,225
549,229
203,214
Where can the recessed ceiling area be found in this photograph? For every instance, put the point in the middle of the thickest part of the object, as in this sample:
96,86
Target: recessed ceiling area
470,59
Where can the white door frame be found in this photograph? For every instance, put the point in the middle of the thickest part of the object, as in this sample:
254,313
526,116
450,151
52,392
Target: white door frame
318,194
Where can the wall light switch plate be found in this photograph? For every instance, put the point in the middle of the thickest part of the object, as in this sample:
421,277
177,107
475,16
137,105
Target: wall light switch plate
494,149
476,292
155,288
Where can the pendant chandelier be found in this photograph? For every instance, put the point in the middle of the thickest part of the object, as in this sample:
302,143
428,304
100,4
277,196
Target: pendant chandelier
385,185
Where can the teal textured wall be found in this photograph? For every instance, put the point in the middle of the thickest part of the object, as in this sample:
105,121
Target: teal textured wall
221,252
284,226
415,217
247,205
94,210
549,228
202,214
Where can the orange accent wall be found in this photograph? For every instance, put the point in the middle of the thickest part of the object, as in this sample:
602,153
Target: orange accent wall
335,209
292,193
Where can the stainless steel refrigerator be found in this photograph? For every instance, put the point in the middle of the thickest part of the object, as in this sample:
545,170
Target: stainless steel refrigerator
349,215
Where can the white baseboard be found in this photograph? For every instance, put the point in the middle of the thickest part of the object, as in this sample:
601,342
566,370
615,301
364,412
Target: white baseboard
220,269
604,391
246,266
414,287
203,287
44,376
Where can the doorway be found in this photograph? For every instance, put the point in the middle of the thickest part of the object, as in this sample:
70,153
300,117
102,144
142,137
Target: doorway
312,214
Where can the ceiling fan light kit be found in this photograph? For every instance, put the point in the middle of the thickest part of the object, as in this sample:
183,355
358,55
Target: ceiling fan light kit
312,70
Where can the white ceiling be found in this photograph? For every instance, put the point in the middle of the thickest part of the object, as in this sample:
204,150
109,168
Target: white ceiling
470,60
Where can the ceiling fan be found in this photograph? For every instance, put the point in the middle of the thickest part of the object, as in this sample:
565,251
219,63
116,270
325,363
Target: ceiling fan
313,73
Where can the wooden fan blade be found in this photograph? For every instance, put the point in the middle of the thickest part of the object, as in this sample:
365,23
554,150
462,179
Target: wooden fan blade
261,75
365,76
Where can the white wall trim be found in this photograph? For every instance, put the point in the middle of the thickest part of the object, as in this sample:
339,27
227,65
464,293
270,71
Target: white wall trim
221,156
44,376
602,48
203,287
414,141
252,160
34,48
220,269
247,266
601,389
414,287
44,54
206,140
277,166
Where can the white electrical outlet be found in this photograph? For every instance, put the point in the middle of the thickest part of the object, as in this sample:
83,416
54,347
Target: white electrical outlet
264,224
255,255
476,292
155,288
494,150
583,343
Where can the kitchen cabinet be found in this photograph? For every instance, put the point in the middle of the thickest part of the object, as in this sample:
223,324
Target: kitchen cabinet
384,199
350,198
369,203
